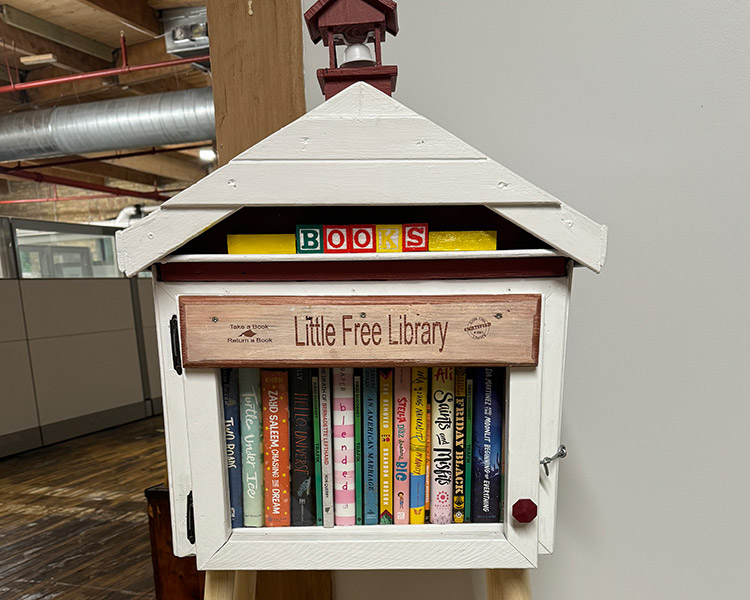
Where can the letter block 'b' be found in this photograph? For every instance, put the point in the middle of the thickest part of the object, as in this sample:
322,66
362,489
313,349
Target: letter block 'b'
309,239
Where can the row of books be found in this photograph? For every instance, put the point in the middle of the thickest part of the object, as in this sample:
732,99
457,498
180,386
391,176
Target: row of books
343,446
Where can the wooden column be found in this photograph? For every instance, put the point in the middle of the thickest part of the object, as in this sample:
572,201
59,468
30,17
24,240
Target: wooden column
256,62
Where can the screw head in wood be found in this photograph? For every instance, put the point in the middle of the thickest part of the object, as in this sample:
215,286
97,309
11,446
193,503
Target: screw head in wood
524,510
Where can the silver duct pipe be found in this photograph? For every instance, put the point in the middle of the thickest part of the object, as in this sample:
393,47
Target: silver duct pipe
145,121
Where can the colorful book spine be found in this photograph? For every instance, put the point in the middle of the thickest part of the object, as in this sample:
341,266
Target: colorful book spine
489,392
326,446
251,428
371,461
417,475
275,389
230,394
401,451
443,414
302,448
428,475
459,447
343,447
385,379
468,442
316,442
358,482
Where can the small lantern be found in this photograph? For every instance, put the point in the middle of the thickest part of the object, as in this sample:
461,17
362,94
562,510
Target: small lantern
354,24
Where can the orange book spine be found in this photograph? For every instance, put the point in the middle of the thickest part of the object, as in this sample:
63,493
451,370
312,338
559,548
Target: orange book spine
275,389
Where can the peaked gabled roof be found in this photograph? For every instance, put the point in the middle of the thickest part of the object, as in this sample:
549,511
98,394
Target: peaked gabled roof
360,147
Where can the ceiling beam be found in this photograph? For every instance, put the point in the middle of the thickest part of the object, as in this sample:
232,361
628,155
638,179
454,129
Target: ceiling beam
94,168
62,92
163,166
27,44
135,13
49,31
147,53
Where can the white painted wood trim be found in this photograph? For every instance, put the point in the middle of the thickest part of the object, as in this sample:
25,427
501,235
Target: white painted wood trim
175,424
397,137
146,241
205,414
563,228
523,410
361,182
368,547
375,256
552,347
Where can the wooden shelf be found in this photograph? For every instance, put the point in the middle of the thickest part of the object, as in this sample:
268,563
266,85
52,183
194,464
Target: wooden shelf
383,256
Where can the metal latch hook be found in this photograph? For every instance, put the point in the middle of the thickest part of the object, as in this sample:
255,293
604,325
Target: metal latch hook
562,452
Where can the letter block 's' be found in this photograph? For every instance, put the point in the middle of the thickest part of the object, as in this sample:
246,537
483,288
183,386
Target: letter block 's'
415,237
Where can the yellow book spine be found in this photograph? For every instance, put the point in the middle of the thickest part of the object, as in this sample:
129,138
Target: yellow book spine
385,377
462,241
418,469
262,243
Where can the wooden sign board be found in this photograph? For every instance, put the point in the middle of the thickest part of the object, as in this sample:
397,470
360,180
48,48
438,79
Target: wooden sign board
295,331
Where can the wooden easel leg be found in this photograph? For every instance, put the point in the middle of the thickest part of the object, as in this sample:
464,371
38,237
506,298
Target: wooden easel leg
508,584
219,585
244,585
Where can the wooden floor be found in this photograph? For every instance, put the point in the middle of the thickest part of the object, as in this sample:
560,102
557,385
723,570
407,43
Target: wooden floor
73,519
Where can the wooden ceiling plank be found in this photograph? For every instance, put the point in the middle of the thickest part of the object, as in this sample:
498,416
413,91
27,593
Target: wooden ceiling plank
165,4
61,92
31,24
27,44
147,53
135,13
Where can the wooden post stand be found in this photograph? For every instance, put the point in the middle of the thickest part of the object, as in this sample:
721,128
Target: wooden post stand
508,584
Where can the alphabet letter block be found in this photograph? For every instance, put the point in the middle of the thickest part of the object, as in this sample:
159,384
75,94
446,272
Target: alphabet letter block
415,237
336,239
261,243
389,238
363,238
309,239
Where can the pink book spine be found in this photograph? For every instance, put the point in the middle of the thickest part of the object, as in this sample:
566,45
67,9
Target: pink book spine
344,496
402,402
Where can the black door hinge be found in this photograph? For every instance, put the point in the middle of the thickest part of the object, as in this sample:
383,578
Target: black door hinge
174,334
190,519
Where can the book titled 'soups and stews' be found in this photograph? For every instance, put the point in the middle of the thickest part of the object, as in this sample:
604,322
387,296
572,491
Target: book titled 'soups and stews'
442,431
401,452
302,443
370,449
251,427
489,399
275,389
344,494
230,395
326,446
385,377
418,457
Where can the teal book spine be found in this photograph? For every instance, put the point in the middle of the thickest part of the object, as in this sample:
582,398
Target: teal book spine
359,496
251,430
316,452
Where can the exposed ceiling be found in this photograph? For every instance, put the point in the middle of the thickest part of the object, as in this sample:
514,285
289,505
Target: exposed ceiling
84,36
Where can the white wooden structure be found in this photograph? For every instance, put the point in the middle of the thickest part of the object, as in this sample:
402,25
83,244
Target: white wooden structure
361,150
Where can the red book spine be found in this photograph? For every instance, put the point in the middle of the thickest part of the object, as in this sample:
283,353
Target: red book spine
275,389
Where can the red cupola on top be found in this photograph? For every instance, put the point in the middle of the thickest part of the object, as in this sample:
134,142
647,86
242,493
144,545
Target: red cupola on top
354,24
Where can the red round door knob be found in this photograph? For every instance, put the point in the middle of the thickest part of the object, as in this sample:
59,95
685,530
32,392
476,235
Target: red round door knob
524,510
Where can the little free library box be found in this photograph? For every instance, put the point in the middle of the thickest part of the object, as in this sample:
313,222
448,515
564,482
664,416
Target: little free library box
400,272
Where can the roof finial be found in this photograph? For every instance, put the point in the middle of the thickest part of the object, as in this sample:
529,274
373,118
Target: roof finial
354,24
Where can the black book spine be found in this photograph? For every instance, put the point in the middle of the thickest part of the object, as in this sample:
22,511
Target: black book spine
302,448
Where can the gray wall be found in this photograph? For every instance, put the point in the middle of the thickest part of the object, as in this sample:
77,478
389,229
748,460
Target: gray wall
638,114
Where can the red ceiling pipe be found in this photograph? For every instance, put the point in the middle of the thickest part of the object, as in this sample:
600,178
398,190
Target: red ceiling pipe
43,178
15,87
75,161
